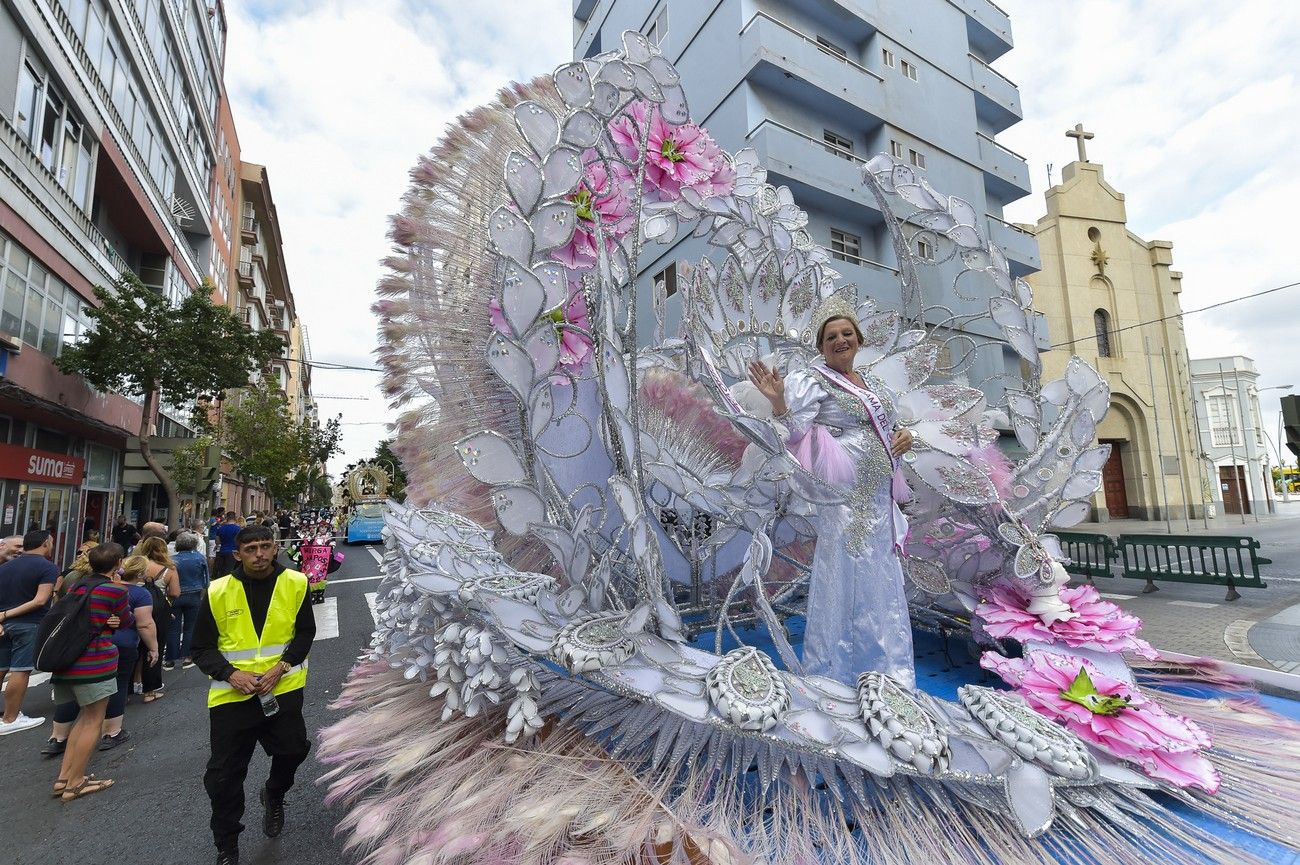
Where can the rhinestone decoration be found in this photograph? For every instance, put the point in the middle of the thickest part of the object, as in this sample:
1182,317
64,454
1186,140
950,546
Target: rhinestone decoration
519,586
1011,721
593,642
747,690
901,724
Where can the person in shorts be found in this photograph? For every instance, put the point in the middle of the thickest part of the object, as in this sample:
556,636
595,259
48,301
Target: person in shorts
26,585
92,679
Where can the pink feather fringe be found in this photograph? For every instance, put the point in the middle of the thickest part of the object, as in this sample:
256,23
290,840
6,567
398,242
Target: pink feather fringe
995,464
822,454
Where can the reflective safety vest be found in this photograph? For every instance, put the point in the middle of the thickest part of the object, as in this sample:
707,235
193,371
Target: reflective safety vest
238,640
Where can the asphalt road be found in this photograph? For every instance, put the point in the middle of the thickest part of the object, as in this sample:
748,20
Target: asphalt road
157,812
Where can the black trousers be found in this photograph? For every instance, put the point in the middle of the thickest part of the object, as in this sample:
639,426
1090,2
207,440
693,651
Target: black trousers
236,729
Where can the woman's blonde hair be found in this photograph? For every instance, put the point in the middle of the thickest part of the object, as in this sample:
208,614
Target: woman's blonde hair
155,549
134,568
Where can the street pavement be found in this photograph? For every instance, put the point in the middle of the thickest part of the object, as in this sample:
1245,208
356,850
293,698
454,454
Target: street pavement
1261,628
157,812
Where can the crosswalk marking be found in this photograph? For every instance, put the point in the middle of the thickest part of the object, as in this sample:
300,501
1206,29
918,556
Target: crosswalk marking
327,619
1117,597
356,580
1198,604
374,552
370,602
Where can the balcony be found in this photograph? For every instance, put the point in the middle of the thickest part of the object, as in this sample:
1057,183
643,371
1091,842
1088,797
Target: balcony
988,27
248,229
1006,173
246,275
878,281
1018,245
997,99
25,169
820,175
777,56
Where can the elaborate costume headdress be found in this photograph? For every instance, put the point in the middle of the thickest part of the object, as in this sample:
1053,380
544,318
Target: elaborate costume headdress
839,304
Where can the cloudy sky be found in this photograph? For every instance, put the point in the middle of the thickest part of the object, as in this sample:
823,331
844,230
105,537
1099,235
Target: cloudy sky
1194,105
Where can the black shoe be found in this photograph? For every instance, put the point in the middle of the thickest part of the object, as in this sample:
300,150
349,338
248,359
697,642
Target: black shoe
108,743
272,815
54,747
169,665
229,856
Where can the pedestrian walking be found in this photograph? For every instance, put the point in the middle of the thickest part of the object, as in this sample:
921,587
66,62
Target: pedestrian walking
26,586
127,638
124,534
225,536
192,572
92,678
253,636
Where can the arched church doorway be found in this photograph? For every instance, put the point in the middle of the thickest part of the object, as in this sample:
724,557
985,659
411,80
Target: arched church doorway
1112,481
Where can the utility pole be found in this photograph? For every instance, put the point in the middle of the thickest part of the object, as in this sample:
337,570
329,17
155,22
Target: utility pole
1173,414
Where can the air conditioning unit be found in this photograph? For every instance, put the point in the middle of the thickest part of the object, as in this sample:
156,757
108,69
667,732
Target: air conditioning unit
10,343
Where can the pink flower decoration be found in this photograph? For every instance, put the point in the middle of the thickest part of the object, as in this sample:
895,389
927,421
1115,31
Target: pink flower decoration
677,157
1126,724
575,347
597,193
1099,625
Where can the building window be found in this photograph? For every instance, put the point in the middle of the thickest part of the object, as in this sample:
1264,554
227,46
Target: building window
845,246
924,249
895,149
909,69
1101,323
887,57
38,307
916,158
658,31
668,276
1225,424
831,48
838,144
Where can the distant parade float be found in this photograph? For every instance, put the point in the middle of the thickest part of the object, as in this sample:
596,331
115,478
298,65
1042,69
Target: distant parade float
650,595
367,488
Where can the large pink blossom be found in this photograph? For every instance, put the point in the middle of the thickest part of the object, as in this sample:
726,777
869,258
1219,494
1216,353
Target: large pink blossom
1099,625
1111,714
604,191
575,347
677,157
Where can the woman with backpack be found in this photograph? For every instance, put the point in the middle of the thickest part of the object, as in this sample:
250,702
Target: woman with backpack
163,584
128,637
92,678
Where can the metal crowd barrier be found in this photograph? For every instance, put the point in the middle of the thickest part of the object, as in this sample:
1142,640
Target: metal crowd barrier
1225,560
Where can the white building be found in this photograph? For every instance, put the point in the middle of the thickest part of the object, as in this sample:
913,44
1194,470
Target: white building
1234,447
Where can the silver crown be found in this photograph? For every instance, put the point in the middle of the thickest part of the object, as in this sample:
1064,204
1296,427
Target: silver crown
838,304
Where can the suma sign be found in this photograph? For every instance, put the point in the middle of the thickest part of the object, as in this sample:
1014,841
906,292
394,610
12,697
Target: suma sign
27,464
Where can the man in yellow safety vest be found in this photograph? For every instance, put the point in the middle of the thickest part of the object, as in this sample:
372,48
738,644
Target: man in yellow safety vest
255,627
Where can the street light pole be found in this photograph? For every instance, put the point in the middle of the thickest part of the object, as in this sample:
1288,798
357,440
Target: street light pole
1277,445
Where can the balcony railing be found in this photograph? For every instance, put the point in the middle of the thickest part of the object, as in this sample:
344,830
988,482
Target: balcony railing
862,262
812,41
112,263
822,143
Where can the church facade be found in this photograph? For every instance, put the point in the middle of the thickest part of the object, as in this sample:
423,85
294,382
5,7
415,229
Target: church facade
1098,282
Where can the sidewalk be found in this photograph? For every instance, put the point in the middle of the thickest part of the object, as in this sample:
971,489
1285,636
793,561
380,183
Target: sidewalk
1260,629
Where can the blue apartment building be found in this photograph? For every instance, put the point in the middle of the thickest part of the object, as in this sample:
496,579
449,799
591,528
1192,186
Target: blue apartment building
818,87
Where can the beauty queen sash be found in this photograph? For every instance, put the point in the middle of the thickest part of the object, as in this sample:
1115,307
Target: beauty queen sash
820,452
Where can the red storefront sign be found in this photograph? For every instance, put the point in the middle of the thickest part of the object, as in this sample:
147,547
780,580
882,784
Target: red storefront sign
27,464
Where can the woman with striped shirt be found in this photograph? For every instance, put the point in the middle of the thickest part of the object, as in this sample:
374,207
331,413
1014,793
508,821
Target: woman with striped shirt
92,679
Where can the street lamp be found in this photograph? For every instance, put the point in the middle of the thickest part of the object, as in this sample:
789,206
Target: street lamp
1277,445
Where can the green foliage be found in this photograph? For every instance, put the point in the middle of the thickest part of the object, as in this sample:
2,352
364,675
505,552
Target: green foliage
397,474
188,470
264,442
140,345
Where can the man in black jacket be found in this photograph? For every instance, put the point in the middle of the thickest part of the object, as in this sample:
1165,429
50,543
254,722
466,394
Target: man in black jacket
254,631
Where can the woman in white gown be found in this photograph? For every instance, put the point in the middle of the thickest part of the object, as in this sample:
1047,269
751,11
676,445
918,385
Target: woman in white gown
857,618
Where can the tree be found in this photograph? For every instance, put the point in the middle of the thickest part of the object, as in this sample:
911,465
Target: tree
264,442
141,346
188,464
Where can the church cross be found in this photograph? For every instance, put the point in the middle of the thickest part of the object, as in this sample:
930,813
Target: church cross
1080,137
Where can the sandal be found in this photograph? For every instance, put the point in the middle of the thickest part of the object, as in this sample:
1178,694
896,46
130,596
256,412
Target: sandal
59,786
153,695
90,785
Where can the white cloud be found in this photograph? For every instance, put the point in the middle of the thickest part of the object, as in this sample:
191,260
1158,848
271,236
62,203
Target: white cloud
1194,106
338,99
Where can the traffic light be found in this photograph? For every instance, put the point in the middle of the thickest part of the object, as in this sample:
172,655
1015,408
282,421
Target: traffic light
1291,420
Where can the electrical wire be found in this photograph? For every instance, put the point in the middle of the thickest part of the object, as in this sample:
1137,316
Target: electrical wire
1186,312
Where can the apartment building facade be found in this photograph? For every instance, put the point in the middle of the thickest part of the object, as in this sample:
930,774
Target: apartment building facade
818,87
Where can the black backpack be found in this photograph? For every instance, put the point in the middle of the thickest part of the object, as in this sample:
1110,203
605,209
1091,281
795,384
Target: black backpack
66,631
